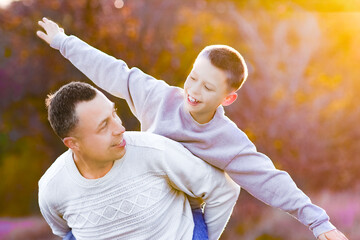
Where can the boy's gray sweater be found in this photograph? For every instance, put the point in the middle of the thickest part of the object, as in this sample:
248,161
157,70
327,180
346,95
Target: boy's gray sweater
159,108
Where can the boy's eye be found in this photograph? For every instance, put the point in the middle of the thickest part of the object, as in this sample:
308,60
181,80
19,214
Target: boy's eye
207,88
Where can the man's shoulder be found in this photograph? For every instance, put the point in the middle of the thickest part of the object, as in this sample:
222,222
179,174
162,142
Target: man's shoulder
148,140
54,171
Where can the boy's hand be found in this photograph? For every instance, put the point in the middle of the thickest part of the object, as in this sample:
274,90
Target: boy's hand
51,29
332,235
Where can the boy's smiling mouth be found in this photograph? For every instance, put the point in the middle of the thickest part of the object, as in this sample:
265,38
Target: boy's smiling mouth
192,101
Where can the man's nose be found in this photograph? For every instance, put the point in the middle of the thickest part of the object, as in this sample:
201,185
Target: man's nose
118,128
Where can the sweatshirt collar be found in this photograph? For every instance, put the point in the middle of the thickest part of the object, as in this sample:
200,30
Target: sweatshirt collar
190,120
79,179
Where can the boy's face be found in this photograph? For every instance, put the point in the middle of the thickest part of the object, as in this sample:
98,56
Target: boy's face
205,89
99,132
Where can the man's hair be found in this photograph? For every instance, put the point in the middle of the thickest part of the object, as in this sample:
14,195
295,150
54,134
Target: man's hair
62,104
229,60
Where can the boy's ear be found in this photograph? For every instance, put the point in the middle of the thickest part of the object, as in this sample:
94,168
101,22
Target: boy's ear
71,143
229,99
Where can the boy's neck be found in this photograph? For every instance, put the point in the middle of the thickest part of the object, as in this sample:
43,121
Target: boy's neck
203,118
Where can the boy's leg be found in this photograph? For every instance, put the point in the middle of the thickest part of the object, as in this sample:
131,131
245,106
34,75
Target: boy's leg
69,236
200,228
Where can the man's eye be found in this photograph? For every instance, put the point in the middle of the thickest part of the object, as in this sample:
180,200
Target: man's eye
115,112
104,126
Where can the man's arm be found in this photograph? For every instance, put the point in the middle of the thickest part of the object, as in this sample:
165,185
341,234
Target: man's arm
198,179
107,72
57,224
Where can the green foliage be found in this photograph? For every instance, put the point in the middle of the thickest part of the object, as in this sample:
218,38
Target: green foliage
21,167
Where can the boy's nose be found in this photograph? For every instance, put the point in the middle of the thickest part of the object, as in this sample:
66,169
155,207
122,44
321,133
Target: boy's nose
196,89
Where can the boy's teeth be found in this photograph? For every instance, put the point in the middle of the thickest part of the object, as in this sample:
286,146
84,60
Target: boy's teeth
192,99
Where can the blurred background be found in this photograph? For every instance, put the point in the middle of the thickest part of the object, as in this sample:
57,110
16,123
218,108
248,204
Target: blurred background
299,105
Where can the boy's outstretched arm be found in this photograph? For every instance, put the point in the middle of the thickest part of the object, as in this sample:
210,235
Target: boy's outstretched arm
51,29
332,235
256,173
111,74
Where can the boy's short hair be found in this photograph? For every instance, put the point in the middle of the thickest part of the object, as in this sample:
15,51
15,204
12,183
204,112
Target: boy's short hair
61,106
229,60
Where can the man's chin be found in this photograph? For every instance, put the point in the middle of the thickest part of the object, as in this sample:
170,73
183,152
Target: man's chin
120,155
118,152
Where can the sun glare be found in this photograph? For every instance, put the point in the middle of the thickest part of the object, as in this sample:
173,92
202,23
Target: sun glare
119,3
5,3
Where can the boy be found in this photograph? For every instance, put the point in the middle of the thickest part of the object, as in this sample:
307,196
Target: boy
194,117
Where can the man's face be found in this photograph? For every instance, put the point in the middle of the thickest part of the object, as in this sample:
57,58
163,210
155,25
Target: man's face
205,89
99,132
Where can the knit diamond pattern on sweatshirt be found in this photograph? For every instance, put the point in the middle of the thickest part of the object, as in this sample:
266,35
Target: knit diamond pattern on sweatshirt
135,199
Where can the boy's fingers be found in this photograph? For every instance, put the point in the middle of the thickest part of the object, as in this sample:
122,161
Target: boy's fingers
333,235
41,23
42,35
48,21
322,237
45,22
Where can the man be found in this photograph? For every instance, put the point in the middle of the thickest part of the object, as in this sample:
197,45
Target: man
115,185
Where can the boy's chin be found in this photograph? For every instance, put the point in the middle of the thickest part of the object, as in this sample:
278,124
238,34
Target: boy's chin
188,107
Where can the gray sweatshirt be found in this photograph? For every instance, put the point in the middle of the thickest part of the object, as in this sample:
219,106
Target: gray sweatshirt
159,108
142,196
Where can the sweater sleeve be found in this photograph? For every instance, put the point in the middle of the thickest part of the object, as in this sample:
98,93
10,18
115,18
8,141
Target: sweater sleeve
57,224
111,74
256,173
198,179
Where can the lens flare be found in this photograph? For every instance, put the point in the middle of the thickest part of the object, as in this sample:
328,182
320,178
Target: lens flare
119,3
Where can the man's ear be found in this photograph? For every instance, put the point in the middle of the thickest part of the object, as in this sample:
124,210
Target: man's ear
229,99
71,143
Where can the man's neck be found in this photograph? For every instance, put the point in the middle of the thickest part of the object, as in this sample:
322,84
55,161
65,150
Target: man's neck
91,169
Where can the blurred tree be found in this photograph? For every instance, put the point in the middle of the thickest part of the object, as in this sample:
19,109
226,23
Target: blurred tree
299,105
